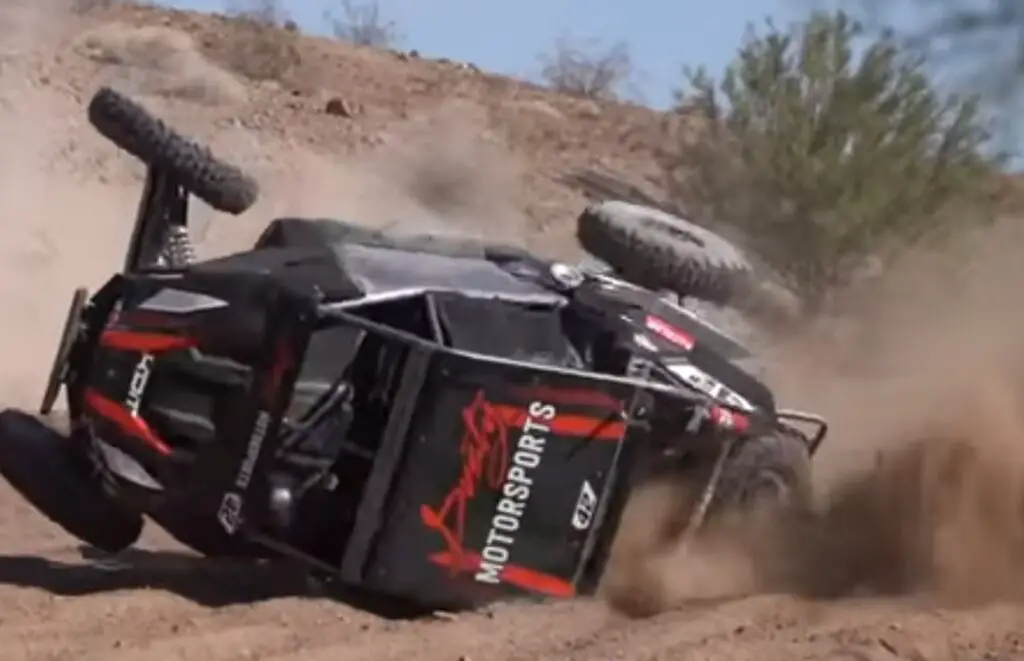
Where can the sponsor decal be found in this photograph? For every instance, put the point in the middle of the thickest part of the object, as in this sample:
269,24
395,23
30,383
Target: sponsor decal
125,414
252,450
515,492
722,418
586,506
137,386
230,512
668,332
710,386
501,448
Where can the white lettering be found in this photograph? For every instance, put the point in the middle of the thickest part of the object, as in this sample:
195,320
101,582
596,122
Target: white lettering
495,537
517,475
252,450
532,443
526,459
506,523
515,492
490,572
541,410
137,386
705,383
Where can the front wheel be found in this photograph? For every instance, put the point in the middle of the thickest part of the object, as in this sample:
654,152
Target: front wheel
767,474
772,471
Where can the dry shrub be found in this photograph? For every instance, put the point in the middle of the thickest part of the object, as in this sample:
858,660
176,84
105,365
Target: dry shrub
832,153
920,485
587,70
258,50
161,61
362,25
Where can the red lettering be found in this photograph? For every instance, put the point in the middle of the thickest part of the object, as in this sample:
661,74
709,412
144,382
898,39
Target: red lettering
484,450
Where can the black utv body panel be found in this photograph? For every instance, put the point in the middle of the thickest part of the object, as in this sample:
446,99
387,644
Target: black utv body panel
436,453
435,420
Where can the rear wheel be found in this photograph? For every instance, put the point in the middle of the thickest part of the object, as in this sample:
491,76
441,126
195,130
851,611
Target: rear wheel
44,467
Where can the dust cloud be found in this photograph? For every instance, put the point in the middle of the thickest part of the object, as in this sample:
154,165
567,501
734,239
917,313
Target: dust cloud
438,173
69,197
921,484
68,200
57,234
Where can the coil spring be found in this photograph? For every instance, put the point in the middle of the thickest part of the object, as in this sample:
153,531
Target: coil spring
177,251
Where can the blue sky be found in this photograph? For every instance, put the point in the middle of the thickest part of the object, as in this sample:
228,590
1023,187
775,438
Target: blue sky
508,37
662,35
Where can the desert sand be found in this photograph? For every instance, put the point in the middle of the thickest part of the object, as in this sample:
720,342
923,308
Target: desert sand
915,561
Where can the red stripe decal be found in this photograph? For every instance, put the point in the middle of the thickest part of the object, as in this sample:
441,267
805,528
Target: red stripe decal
577,426
669,332
572,397
130,424
127,340
521,577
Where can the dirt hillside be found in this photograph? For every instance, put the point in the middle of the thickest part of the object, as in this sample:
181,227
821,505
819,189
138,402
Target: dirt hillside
388,139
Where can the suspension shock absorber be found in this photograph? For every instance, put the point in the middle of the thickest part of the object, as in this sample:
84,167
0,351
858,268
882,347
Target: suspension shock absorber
177,251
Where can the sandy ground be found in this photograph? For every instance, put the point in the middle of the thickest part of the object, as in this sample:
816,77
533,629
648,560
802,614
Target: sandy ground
934,531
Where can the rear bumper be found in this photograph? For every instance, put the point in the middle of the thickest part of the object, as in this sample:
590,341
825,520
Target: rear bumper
276,323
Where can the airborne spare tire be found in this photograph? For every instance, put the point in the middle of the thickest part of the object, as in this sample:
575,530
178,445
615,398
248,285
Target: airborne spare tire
134,129
660,251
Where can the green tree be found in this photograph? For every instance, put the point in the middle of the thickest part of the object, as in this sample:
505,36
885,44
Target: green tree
825,153
979,42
